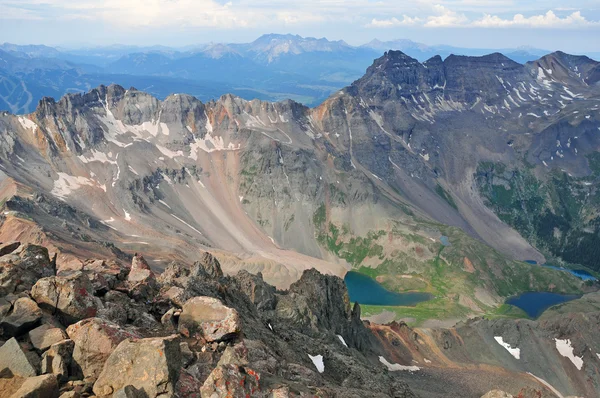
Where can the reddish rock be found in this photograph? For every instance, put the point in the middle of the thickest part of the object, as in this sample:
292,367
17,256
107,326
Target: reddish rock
231,381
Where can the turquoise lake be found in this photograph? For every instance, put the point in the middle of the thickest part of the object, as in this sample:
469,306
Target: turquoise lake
366,290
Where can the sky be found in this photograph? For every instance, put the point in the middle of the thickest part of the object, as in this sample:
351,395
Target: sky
572,26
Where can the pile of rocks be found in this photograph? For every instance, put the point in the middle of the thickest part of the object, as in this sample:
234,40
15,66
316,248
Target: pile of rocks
122,331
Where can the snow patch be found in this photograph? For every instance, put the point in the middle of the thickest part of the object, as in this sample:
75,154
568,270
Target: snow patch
395,366
342,340
565,349
27,124
164,203
188,225
164,128
127,215
66,184
318,361
515,352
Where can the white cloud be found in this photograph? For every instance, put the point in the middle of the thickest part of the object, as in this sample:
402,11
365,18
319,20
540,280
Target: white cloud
9,12
547,20
445,18
280,13
391,22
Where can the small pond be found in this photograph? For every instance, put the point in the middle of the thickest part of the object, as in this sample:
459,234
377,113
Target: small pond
366,290
534,303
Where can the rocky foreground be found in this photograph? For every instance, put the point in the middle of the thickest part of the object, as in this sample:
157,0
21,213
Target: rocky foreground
108,330
105,330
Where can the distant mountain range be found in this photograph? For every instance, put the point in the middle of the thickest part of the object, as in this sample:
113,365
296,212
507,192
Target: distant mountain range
273,67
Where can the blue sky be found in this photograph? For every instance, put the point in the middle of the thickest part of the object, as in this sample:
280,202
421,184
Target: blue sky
550,24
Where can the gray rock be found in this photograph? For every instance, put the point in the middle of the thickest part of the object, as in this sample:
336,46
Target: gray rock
258,291
15,359
209,265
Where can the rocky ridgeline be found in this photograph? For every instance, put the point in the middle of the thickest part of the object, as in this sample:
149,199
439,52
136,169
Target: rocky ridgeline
106,330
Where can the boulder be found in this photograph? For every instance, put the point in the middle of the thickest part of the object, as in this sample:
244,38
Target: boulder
128,365
44,386
20,269
25,315
57,360
95,339
13,357
69,297
207,318
231,381
44,336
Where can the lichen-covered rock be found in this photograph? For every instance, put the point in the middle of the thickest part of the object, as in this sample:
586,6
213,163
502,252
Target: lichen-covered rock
129,365
45,335
44,386
95,339
57,360
25,315
207,318
231,381
12,357
69,297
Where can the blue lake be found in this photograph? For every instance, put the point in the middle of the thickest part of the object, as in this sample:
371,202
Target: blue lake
534,303
366,290
581,274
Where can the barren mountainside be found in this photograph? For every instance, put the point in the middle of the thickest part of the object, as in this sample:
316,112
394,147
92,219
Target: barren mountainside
440,177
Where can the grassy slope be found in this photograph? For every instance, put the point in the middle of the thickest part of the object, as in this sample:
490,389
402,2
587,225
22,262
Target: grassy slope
408,258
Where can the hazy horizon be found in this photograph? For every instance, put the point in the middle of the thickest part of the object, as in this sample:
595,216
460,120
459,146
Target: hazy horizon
494,24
